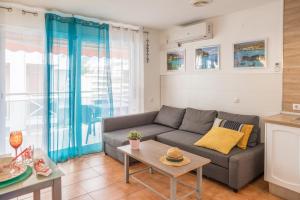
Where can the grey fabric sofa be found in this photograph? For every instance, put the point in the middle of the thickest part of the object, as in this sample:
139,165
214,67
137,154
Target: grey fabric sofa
236,169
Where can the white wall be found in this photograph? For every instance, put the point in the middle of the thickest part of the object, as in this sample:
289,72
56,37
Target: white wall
259,91
152,73
16,18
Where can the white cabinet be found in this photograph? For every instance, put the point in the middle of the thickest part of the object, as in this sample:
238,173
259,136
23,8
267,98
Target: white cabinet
282,156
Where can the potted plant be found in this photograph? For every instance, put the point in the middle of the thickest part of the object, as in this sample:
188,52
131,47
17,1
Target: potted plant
134,139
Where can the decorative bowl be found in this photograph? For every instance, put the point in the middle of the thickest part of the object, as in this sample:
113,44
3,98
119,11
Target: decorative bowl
10,170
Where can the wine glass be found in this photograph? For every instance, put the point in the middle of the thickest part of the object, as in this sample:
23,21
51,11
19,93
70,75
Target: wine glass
15,140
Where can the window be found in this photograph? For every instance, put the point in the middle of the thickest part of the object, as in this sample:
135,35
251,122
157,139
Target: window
126,60
23,81
24,97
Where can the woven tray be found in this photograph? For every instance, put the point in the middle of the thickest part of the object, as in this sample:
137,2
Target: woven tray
17,179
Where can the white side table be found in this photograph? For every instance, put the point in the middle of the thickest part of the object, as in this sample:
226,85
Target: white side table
35,183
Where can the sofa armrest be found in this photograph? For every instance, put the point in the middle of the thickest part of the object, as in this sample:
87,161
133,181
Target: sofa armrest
128,121
246,166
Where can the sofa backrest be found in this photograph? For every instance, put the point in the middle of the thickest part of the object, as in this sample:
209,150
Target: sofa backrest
186,119
170,116
198,121
128,121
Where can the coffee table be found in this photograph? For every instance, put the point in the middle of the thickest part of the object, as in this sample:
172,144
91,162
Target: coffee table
149,153
35,183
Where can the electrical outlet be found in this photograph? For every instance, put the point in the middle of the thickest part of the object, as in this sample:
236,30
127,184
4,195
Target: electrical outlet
236,100
296,106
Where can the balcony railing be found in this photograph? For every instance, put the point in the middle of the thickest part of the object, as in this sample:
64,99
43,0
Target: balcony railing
27,112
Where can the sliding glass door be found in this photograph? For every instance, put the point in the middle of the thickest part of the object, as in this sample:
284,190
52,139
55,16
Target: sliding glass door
22,99
76,111
79,88
95,99
57,95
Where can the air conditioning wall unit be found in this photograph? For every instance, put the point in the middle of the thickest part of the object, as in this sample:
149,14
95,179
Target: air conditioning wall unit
190,33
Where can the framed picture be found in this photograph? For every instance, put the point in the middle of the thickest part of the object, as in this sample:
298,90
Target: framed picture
176,60
207,57
250,54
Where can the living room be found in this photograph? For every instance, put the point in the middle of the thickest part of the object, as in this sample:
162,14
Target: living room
185,99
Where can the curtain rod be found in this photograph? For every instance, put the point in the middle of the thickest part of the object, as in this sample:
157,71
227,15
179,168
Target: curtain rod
24,12
35,10
118,27
9,9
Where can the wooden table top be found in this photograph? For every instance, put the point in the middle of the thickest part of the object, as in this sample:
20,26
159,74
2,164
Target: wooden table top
284,119
151,151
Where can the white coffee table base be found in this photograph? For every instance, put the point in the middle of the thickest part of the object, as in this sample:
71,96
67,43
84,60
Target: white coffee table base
173,182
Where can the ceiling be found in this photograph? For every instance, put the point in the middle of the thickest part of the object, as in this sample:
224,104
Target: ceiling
157,14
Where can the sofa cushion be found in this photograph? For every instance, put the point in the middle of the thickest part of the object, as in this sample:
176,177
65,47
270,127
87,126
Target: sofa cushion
119,137
198,121
185,140
245,119
170,116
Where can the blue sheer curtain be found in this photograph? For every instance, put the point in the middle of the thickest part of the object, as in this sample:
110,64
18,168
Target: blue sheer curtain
79,87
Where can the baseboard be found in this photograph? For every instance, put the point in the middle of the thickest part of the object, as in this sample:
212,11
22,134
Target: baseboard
283,192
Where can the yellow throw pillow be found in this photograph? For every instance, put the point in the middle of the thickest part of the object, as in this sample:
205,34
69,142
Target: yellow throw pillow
237,126
220,139
247,130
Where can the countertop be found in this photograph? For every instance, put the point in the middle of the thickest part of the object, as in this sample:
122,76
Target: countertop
284,119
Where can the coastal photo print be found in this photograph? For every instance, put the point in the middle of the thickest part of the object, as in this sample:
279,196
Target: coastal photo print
250,54
176,60
207,58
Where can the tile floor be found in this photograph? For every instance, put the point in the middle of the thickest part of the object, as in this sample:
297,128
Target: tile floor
97,177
